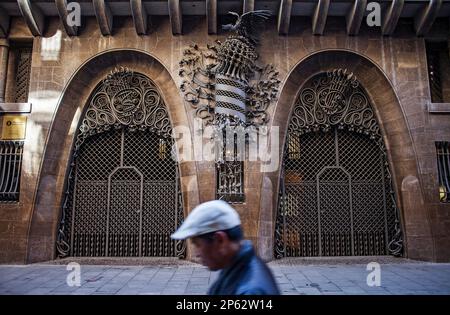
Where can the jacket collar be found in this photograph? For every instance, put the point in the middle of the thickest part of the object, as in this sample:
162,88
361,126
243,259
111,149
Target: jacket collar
246,252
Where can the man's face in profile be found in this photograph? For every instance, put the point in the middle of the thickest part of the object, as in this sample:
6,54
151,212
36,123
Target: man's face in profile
210,251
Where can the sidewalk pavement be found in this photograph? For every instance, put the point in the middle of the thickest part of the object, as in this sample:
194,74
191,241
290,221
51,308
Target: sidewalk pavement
174,278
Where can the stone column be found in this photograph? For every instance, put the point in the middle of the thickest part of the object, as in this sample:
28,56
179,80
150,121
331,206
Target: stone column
4,51
418,235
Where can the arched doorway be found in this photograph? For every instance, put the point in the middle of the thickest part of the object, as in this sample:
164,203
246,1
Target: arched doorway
336,192
123,196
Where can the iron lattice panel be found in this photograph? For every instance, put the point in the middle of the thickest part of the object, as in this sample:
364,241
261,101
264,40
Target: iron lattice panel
100,156
369,198
335,212
140,148
23,70
159,223
124,213
89,237
131,228
301,236
353,147
301,163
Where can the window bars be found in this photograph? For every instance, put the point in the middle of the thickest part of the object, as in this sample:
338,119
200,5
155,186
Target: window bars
10,166
443,159
434,51
230,169
23,69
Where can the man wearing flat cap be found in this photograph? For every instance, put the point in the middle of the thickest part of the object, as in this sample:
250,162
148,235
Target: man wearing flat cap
215,230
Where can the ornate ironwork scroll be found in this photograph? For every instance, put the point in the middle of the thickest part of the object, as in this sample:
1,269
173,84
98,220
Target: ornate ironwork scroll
227,88
334,99
223,82
336,195
123,196
125,99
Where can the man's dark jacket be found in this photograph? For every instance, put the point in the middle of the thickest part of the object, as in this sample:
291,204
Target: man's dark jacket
247,274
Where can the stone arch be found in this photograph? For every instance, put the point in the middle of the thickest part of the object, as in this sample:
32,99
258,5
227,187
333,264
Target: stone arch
394,130
53,171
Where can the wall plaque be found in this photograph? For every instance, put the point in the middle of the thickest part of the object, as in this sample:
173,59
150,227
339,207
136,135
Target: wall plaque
13,127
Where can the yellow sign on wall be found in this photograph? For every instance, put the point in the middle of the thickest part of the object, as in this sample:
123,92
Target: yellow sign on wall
13,127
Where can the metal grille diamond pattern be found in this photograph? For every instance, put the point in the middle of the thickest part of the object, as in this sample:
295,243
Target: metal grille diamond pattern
336,196
124,226
144,147
23,74
103,151
351,143
159,197
334,206
86,228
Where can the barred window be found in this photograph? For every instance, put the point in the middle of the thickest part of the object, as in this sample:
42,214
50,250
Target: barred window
19,70
230,170
23,74
10,166
443,159
438,61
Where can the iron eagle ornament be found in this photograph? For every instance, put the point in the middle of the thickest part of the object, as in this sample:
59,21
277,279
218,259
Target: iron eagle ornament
223,82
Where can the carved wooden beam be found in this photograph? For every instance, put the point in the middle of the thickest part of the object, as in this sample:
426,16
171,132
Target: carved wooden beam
139,16
391,17
320,16
249,5
61,6
211,16
104,16
176,17
355,16
284,17
4,23
424,20
32,16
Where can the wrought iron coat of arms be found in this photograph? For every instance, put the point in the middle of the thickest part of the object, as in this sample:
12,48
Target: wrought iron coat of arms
223,81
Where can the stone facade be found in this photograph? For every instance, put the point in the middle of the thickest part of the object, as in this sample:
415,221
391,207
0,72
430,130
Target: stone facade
393,71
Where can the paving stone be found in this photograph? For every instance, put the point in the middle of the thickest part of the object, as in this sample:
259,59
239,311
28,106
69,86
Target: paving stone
308,291
411,278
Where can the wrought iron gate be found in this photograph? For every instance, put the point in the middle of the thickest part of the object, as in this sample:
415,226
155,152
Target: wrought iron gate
336,196
123,196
